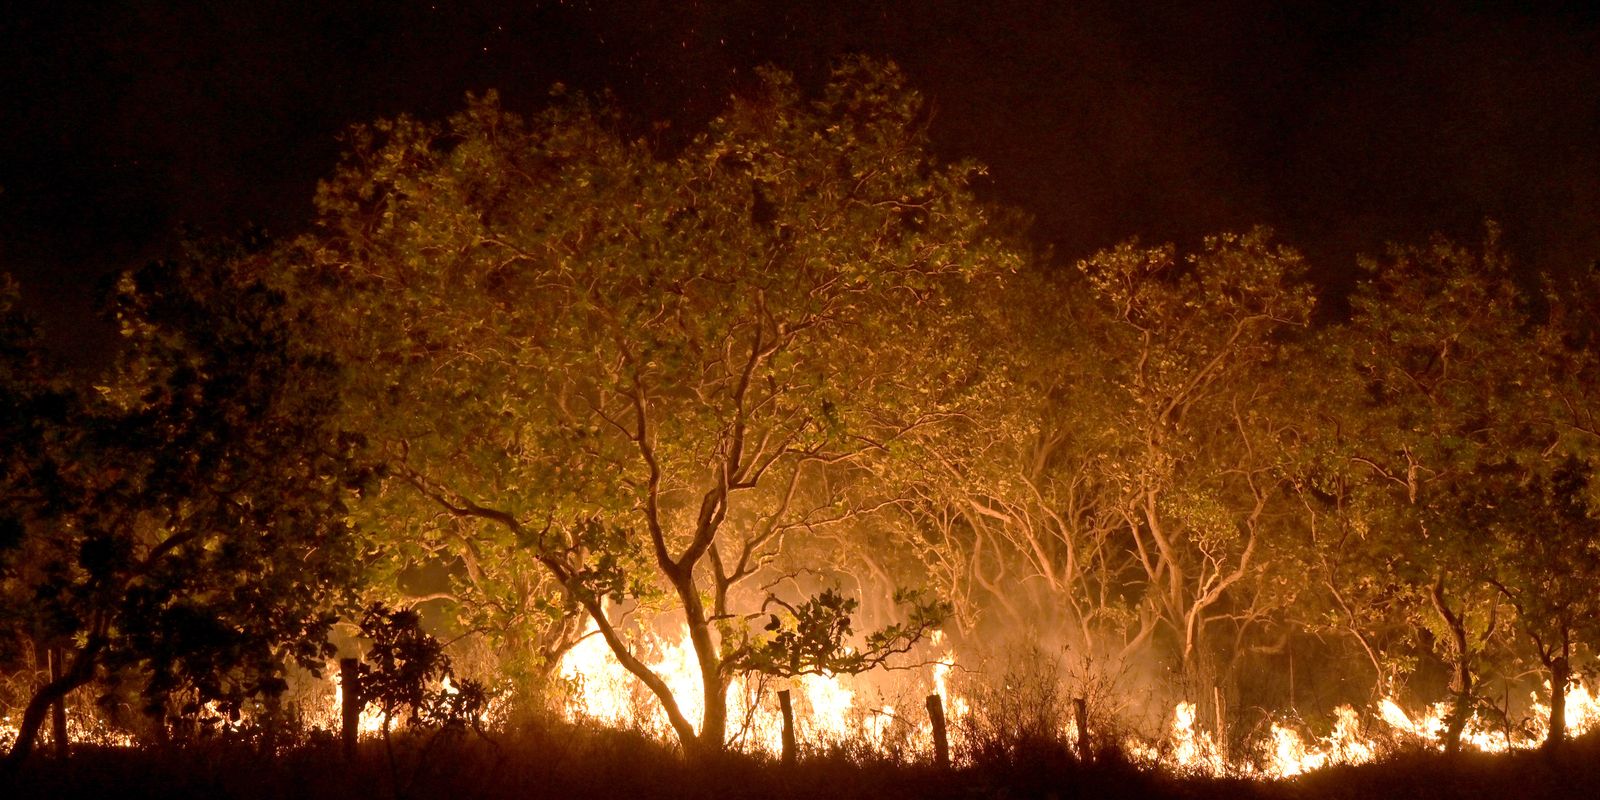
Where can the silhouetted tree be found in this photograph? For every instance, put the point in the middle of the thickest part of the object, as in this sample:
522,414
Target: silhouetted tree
183,524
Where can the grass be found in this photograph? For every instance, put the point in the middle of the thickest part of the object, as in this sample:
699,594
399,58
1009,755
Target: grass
560,761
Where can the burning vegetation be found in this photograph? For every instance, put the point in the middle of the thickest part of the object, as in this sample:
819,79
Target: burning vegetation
777,440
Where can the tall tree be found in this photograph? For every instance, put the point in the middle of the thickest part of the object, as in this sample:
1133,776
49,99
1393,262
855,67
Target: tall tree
642,369
1541,553
1537,505
1194,460
1430,391
183,524
1126,488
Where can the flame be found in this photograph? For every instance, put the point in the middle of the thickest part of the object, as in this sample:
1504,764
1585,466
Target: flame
878,725
827,707
838,709
1288,753
81,729
955,705
326,710
370,723
831,703
1583,709
1292,756
1193,750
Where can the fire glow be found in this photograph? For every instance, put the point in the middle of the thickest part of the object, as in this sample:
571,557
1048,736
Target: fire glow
834,709
828,708
842,709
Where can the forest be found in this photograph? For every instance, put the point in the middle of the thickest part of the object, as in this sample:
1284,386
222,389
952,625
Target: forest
561,423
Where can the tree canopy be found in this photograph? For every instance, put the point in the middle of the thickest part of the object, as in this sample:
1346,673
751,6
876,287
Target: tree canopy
788,381
643,370
182,527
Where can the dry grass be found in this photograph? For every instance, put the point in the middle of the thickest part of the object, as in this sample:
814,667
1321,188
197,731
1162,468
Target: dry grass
548,759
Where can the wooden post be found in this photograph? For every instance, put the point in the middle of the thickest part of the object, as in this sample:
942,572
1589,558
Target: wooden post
58,709
941,745
788,726
350,707
1222,720
1080,712
269,726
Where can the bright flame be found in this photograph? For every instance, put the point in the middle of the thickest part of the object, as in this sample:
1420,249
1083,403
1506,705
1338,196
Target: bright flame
1193,750
827,708
1292,756
830,709
831,703
370,723
955,706
80,730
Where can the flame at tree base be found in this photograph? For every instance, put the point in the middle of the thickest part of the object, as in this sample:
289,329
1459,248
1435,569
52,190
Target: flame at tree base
828,709
856,712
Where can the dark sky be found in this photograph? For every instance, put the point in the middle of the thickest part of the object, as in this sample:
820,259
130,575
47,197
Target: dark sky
1343,125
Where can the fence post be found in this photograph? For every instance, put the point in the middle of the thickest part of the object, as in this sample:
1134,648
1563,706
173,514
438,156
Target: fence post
788,726
1080,711
941,745
1222,718
269,729
350,707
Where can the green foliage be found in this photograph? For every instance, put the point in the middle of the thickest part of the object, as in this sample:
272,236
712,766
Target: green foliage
1448,477
814,637
608,381
642,372
405,669
185,527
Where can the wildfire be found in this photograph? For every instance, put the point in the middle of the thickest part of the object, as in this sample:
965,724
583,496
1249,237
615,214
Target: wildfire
827,707
1288,753
80,730
370,723
1345,745
833,709
1186,748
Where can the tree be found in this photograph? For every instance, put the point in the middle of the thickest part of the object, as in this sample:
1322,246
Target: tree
1430,394
183,524
1541,554
34,407
1194,346
1121,494
402,668
643,370
1011,517
1536,505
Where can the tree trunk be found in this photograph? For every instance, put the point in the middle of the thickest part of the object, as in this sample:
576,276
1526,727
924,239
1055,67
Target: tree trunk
80,673
1201,685
680,724
941,744
1221,709
1080,714
58,709
713,686
1560,673
786,705
1461,671
350,705
1460,708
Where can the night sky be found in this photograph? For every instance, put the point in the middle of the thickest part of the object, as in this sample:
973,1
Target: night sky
1342,125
